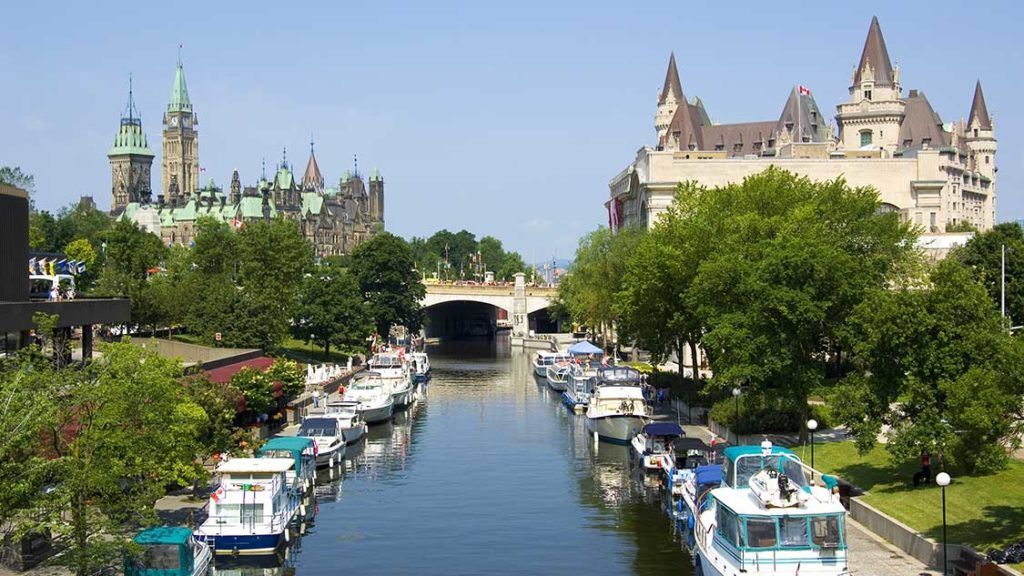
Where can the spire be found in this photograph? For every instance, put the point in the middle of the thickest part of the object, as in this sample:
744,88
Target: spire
876,56
312,179
179,92
672,83
979,110
355,171
130,138
130,116
284,158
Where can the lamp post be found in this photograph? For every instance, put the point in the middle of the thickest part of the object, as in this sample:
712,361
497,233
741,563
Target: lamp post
812,425
736,394
311,337
943,479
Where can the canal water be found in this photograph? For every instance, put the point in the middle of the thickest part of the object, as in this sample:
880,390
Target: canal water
488,475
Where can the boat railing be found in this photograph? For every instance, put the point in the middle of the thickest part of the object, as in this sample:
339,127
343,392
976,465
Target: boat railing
274,522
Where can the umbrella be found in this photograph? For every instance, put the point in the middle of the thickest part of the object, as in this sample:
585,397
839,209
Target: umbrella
584,347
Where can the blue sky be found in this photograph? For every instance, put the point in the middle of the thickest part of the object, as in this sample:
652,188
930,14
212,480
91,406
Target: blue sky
506,119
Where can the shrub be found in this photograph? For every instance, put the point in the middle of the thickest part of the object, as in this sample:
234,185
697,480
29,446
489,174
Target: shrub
760,414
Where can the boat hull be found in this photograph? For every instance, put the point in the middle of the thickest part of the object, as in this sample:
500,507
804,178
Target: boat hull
619,428
243,544
540,370
378,414
324,458
354,434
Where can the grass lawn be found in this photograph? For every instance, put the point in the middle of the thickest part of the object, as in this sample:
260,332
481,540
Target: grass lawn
981,511
299,351
189,339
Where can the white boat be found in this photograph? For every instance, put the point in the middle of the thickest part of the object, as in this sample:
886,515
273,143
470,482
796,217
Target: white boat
541,360
303,451
349,419
557,372
617,410
375,402
767,518
169,551
420,364
653,445
580,381
326,432
251,509
393,371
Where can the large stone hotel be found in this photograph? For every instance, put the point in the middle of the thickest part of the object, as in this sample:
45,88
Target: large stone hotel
333,219
936,175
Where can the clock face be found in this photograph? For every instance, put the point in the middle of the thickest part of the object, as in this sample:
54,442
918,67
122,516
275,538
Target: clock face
185,122
174,120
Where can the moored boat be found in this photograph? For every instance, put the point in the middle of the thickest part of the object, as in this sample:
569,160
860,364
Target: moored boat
617,410
420,364
346,412
579,385
557,373
393,372
169,551
376,404
768,518
541,360
654,445
251,509
303,451
328,438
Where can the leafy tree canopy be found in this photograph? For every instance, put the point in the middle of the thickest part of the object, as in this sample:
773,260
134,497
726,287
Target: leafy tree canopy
388,281
983,254
331,311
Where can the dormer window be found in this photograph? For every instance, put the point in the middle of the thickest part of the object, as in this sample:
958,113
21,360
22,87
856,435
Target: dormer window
867,94
975,132
865,138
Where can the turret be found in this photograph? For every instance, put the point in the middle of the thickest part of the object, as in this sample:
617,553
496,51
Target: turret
180,140
130,160
669,98
871,119
236,187
980,135
376,206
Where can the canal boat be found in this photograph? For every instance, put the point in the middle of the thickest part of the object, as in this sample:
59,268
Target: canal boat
169,551
376,404
303,451
557,373
579,384
346,412
541,360
420,364
768,518
616,410
393,372
329,441
251,510
654,445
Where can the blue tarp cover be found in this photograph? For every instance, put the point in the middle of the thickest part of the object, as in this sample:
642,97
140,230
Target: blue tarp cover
711,474
584,347
663,429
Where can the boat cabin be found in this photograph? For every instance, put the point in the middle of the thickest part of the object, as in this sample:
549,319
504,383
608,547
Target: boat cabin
302,451
386,360
343,409
168,551
618,376
660,435
743,462
252,491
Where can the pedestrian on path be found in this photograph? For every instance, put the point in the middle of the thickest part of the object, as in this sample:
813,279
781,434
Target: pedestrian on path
316,397
925,475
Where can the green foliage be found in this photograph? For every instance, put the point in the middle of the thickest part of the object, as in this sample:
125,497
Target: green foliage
257,389
219,403
331,310
962,226
81,250
390,286
131,252
983,255
289,374
14,176
216,250
766,415
939,370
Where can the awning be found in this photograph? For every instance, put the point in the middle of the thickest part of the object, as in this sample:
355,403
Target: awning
584,347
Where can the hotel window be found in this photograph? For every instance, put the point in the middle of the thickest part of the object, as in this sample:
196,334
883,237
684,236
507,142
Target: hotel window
932,219
986,159
867,94
865,138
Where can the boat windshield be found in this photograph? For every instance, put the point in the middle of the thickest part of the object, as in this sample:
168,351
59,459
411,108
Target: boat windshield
345,410
386,361
364,385
744,467
780,532
312,427
161,557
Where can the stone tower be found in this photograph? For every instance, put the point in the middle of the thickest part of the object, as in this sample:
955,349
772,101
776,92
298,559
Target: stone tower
669,98
181,142
980,136
130,160
236,188
871,119
376,207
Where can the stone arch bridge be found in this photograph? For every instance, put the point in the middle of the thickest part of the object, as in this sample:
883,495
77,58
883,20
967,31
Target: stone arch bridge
517,300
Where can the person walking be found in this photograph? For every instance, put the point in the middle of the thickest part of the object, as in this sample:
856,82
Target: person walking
316,397
925,475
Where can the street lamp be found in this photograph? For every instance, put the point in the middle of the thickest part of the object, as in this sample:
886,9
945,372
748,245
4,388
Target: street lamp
736,394
812,425
311,337
943,479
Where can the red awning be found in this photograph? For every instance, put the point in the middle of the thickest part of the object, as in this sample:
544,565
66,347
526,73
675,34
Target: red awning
223,374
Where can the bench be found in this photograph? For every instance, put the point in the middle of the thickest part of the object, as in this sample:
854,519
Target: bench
970,563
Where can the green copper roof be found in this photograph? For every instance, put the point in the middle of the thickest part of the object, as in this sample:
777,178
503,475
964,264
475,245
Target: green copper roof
130,139
284,178
179,93
375,175
312,203
252,207
185,212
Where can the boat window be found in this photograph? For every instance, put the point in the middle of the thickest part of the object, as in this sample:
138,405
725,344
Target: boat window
161,557
276,454
761,533
793,531
825,531
240,513
747,466
319,427
728,526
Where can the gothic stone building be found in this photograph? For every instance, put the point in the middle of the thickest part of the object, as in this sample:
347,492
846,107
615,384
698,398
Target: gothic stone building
333,220
934,174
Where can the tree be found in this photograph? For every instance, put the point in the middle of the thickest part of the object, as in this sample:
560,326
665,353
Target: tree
938,369
216,250
492,254
392,290
511,264
131,253
983,254
257,390
125,429
453,249
289,374
331,310
220,403
81,251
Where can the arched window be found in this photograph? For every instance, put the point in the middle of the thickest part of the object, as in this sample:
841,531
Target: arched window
865,138
643,215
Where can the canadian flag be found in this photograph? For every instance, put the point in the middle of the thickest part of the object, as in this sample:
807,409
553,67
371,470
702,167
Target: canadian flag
804,90
217,494
237,223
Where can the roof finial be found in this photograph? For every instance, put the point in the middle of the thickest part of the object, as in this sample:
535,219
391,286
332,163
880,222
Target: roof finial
179,55
310,142
263,173
355,158
284,157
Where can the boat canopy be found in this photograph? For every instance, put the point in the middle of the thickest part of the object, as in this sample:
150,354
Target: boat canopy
166,553
294,445
742,462
663,429
583,348
711,474
618,375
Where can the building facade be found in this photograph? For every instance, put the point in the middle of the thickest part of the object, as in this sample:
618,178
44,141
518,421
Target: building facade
936,175
333,219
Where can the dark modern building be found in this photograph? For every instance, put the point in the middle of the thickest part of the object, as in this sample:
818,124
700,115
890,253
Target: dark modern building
17,307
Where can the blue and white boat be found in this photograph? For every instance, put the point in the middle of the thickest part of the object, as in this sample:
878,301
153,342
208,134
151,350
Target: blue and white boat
579,384
767,517
169,551
653,445
541,360
251,510
420,364
303,451
557,373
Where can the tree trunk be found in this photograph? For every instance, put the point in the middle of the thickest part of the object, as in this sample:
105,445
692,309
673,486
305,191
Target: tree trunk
327,350
693,358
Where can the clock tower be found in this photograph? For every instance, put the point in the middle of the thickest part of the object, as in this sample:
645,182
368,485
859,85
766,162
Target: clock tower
130,161
181,142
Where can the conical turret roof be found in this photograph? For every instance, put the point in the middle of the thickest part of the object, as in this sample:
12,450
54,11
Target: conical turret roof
130,138
979,110
179,93
876,55
312,179
672,84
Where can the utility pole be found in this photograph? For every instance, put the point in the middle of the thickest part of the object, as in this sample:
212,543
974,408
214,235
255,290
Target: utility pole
1002,284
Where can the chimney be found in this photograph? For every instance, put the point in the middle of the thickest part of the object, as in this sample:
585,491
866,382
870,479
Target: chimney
223,200
160,200
913,93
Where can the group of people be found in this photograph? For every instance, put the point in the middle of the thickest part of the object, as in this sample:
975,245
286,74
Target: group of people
56,294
